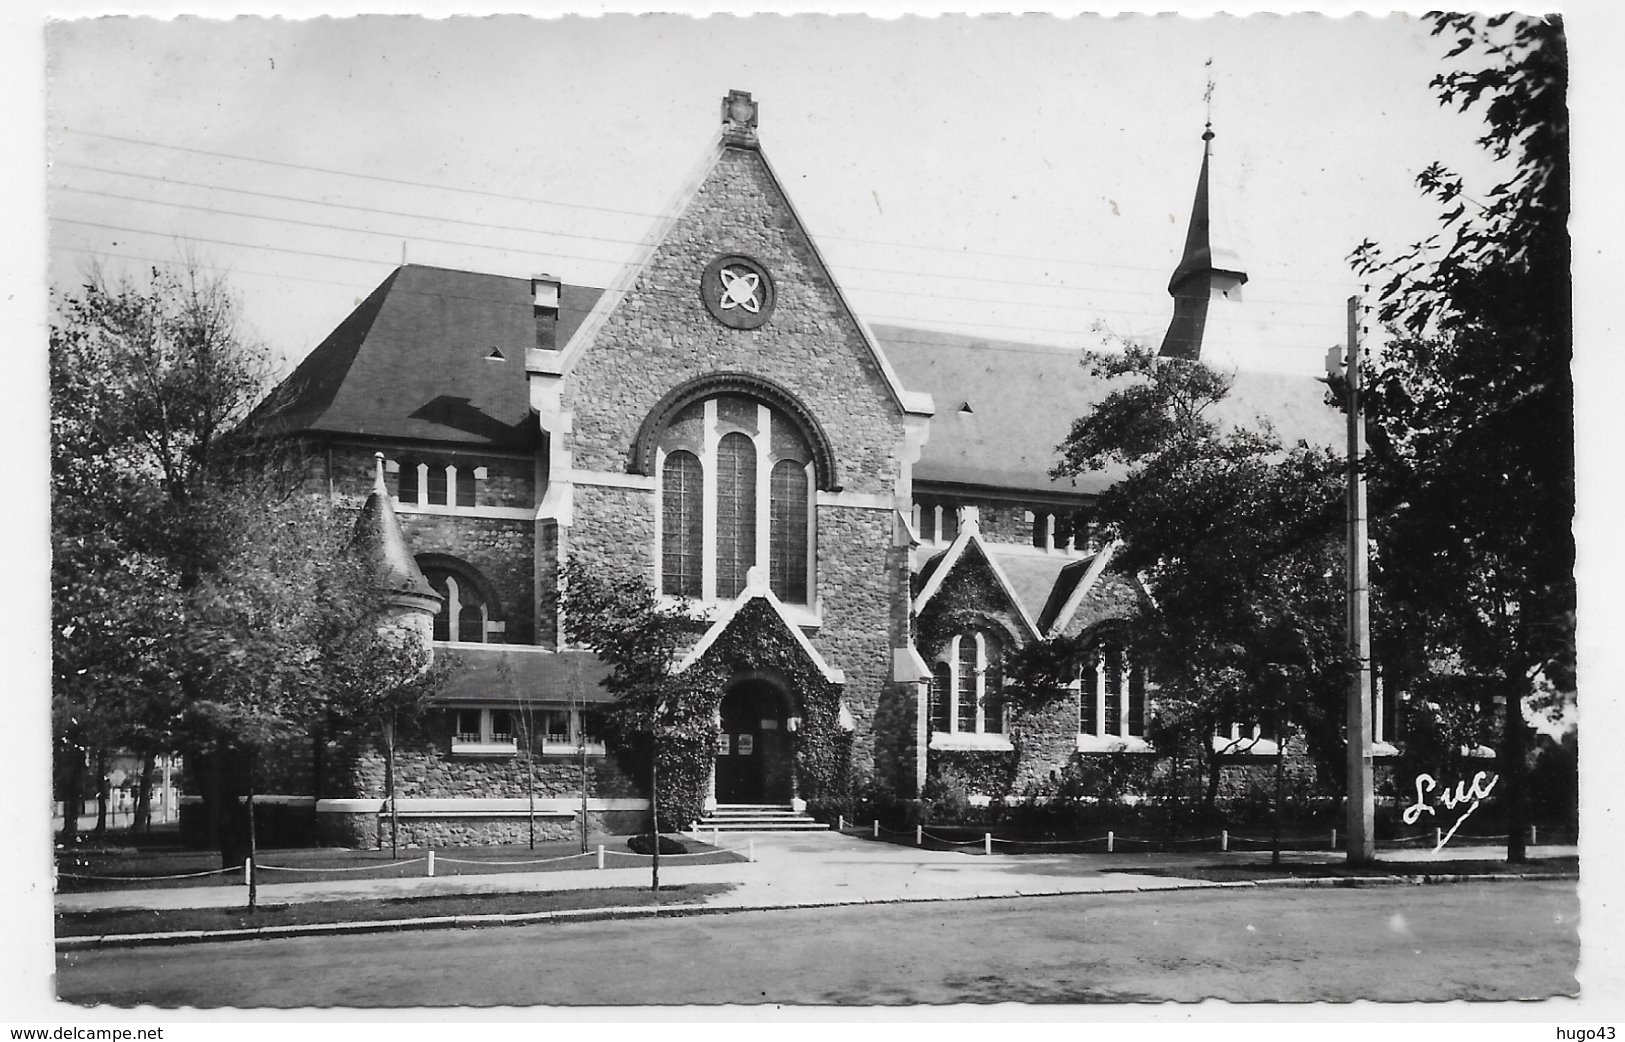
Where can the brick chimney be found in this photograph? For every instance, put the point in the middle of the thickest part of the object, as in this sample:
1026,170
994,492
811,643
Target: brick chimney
544,292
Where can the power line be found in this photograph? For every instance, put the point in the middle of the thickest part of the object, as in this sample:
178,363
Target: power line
620,212
1090,308
362,260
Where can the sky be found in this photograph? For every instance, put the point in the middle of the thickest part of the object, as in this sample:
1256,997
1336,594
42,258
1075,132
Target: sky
1027,178
1018,177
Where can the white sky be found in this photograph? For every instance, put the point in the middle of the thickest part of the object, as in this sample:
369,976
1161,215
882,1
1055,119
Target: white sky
1047,162
1018,177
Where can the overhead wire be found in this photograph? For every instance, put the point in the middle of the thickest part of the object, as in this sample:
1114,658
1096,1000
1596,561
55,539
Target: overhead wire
613,210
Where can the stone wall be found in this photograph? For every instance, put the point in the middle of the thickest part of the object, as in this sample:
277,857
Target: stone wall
503,551
425,767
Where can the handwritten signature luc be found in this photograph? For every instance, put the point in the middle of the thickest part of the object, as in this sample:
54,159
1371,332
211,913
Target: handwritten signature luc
1470,793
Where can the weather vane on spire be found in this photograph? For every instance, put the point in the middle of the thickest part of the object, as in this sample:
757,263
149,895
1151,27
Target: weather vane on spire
1207,94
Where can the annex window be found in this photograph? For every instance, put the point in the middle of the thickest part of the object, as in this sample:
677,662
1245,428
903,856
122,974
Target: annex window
467,614
736,492
483,732
563,730
1111,694
425,482
969,683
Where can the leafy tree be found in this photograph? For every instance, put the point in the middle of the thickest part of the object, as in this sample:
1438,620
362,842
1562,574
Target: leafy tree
199,601
661,723
1234,536
1471,403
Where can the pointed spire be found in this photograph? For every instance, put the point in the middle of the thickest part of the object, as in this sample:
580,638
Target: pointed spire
378,537
1207,268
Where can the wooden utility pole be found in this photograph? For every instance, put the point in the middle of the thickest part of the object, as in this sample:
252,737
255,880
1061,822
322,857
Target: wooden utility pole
1361,824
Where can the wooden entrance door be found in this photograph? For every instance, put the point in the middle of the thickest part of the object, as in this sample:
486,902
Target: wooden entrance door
739,749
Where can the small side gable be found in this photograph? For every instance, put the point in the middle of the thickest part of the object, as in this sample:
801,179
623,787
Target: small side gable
968,572
757,592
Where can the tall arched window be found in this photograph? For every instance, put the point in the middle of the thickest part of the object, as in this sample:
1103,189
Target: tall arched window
1111,694
736,512
942,686
736,492
682,521
969,685
787,554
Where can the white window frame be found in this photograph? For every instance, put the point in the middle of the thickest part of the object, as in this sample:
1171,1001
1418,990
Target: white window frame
487,743
573,743
980,737
1092,685
422,504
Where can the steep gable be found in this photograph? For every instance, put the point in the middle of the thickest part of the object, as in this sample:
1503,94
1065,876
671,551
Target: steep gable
670,319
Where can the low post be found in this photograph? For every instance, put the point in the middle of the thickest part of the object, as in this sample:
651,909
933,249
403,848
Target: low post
919,835
1334,837
1224,839
600,855
877,828
750,850
1111,840
840,823
1438,836
248,870
1531,835
987,842
430,865
716,836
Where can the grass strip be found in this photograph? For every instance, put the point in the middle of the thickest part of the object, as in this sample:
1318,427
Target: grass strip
169,920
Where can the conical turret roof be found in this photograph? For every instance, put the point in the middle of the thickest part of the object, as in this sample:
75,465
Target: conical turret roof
378,537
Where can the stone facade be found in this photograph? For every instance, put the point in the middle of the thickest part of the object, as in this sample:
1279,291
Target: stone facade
559,430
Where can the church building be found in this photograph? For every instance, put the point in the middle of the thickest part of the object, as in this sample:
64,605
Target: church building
722,423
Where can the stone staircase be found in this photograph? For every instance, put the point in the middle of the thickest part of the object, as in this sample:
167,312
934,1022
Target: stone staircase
758,817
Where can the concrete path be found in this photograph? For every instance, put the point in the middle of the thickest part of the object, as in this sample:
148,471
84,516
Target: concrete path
797,869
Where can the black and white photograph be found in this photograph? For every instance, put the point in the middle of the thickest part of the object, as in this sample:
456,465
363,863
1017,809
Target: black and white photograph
785,516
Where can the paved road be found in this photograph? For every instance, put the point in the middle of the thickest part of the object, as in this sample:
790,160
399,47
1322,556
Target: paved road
1495,941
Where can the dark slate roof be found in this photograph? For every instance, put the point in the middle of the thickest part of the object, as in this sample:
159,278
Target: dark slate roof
508,674
413,361
1003,407
1034,578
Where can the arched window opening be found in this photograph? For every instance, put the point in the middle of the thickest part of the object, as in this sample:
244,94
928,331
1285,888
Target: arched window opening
942,686
1111,694
787,552
466,614
682,496
736,492
736,512
967,686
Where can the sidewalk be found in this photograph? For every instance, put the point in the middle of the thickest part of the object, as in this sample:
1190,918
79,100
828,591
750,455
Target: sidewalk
806,869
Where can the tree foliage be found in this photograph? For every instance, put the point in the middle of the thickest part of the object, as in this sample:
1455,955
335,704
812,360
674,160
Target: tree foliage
1471,403
1234,536
198,603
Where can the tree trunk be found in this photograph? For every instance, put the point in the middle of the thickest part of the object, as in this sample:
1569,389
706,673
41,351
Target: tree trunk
101,791
1514,770
389,784
654,814
253,842
73,799
143,794
1275,801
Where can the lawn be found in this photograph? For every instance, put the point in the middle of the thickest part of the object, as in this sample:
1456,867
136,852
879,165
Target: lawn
132,921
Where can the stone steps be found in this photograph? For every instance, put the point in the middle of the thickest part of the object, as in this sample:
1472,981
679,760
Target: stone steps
758,817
